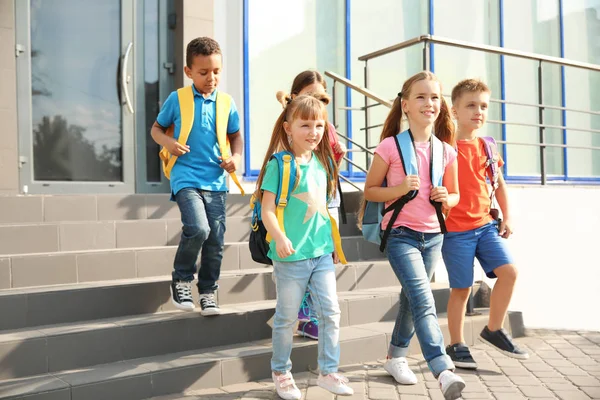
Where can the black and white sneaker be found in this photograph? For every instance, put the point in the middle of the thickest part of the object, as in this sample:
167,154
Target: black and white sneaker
502,341
209,304
181,295
461,356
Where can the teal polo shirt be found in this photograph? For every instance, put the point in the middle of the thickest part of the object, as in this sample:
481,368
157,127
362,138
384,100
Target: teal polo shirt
200,168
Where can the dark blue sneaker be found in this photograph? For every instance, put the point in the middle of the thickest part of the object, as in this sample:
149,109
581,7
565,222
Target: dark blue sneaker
502,341
461,356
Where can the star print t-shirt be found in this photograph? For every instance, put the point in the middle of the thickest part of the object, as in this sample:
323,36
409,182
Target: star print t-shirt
306,219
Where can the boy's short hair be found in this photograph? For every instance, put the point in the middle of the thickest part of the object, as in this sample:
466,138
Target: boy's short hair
202,46
469,86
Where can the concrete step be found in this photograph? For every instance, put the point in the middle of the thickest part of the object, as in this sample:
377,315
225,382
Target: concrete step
30,307
99,235
69,346
66,267
18,209
144,378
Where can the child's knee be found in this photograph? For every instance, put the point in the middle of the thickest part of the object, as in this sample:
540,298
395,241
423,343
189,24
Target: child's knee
196,231
507,273
461,293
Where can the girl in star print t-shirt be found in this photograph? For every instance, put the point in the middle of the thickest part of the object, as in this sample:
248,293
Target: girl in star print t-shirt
303,252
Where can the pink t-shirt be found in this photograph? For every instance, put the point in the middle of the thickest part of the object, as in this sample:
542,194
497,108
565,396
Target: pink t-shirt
418,214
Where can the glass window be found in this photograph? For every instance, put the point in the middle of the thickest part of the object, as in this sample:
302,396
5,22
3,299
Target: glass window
473,21
76,112
286,38
538,32
582,38
374,29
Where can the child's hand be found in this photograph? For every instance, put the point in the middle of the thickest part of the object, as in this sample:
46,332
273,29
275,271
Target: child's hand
176,148
410,183
336,258
505,228
440,194
230,165
339,148
284,247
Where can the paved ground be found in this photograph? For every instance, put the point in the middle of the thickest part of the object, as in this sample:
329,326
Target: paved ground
563,365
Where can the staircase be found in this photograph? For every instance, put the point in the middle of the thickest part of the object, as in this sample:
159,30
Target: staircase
86,313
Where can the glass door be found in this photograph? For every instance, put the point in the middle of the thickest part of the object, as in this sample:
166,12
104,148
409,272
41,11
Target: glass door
76,97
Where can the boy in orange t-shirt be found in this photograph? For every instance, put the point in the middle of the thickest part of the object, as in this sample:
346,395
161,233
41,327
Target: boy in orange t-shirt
472,232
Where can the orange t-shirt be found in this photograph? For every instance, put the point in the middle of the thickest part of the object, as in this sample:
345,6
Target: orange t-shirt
472,211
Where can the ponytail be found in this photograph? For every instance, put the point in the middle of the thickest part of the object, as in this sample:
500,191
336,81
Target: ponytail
444,127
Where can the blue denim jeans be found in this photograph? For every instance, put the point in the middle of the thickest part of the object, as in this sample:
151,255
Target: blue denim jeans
203,219
292,279
413,256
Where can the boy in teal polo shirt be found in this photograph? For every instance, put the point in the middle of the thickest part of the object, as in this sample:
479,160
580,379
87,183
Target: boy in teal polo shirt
198,178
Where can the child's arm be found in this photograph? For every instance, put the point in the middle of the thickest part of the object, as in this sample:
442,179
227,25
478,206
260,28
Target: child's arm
171,144
375,177
236,142
448,194
283,245
505,228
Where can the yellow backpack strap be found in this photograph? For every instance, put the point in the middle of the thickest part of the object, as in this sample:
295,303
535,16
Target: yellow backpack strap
223,109
337,240
283,193
185,96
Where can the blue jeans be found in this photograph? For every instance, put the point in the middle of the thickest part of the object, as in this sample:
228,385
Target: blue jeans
292,279
413,256
203,219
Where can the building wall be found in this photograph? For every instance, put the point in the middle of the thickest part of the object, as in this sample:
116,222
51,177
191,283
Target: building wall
555,247
9,153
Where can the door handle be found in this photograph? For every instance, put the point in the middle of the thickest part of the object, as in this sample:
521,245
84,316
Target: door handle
125,78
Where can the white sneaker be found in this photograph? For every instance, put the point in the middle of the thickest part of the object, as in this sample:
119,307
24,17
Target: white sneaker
399,369
451,385
286,387
336,384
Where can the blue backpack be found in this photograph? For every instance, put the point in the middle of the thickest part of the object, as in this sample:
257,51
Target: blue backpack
374,211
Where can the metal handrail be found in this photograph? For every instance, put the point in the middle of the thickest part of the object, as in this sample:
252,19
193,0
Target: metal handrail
480,47
364,91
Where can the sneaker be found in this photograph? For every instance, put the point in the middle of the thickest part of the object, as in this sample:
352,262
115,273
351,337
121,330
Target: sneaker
399,369
304,313
181,295
336,384
309,329
209,304
502,341
451,385
461,356
286,387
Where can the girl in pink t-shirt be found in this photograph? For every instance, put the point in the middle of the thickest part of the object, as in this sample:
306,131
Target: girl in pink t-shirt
415,242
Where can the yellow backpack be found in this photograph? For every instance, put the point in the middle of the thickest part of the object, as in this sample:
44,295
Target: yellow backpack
186,106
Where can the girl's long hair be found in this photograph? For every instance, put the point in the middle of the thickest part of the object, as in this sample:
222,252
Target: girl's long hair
306,107
443,127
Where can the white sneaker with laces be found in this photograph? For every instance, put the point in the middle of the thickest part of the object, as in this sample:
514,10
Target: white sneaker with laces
451,385
286,387
399,369
208,304
336,384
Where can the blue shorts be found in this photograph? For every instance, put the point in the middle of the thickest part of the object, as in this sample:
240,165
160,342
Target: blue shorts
460,249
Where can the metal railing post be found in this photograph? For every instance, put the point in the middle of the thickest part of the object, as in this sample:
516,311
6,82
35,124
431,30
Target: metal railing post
541,122
426,56
334,119
367,122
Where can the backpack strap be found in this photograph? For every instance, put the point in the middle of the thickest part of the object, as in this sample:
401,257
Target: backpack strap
222,119
287,180
436,173
493,170
405,145
185,95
